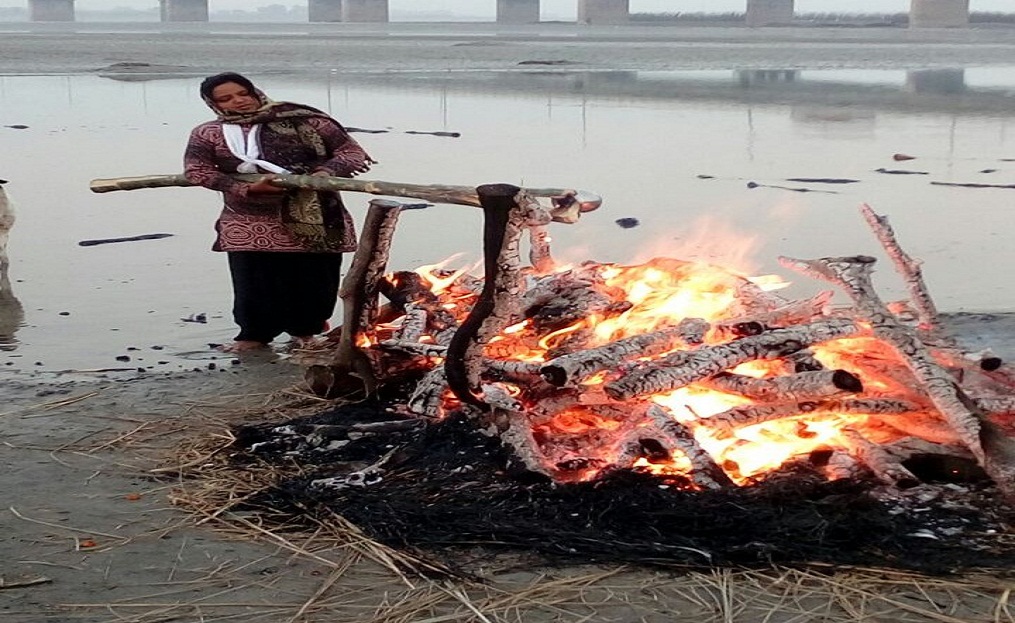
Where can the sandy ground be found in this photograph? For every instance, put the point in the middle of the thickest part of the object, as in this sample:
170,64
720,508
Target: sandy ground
90,534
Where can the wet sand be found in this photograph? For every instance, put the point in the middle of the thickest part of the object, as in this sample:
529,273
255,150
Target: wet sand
67,480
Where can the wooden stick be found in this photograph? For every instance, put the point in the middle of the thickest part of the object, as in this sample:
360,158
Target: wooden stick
359,298
910,269
565,200
993,448
507,210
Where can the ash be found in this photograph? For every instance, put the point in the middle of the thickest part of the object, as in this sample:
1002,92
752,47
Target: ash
444,489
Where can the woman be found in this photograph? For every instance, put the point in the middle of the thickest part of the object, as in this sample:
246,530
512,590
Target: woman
284,247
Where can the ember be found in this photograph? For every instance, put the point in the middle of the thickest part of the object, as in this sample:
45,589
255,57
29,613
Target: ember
676,368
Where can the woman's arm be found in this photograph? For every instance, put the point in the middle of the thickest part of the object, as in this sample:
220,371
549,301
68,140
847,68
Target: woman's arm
200,165
346,157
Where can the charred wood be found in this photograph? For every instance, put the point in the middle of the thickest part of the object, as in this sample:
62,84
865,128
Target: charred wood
994,449
711,360
705,473
910,269
798,387
574,368
885,466
502,223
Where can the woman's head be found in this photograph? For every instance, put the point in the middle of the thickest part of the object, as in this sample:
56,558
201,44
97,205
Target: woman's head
231,93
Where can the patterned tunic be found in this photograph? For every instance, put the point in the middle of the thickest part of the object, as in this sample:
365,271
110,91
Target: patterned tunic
253,222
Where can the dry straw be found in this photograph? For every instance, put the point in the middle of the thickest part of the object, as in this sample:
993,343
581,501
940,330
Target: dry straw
365,581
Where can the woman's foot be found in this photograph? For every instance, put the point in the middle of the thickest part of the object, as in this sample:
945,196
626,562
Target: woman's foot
242,346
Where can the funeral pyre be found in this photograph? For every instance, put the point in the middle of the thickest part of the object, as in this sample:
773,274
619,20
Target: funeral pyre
696,373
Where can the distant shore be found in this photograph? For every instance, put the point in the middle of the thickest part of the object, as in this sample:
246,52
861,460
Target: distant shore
81,47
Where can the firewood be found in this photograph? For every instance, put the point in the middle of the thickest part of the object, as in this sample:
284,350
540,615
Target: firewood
359,291
572,369
506,210
429,393
793,312
711,360
512,370
885,466
794,388
539,250
908,447
705,473
517,435
994,450
423,349
568,204
842,466
500,396
910,269
413,323
725,422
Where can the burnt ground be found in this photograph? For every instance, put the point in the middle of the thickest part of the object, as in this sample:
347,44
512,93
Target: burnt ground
451,493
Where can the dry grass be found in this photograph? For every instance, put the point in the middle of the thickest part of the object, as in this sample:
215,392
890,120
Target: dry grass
365,581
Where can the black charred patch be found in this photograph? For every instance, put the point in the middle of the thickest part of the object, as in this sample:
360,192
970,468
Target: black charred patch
447,490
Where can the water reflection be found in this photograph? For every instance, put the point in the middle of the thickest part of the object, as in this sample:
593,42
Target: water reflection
937,81
980,90
12,313
640,139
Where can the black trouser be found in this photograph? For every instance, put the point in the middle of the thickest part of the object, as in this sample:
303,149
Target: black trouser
281,292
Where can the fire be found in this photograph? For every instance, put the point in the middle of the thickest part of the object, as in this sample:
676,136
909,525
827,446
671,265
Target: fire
616,302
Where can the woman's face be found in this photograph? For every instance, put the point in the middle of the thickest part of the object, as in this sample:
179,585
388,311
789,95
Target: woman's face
232,97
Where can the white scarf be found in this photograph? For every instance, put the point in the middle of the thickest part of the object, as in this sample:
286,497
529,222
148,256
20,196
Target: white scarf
249,149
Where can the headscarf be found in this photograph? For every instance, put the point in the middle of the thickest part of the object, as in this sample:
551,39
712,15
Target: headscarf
314,217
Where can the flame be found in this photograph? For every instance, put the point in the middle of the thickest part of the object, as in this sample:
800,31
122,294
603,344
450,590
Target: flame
655,295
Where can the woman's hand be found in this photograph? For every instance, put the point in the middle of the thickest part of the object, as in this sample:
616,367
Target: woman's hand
264,186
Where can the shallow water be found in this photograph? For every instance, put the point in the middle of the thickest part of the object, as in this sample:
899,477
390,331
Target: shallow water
640,139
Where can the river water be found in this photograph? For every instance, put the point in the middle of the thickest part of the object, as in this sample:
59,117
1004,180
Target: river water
674,150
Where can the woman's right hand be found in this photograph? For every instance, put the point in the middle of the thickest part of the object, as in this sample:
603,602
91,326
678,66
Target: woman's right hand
264,186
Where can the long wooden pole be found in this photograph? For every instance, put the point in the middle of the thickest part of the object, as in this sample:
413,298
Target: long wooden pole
567,202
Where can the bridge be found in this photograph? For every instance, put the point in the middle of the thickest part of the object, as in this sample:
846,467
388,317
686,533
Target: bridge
923,13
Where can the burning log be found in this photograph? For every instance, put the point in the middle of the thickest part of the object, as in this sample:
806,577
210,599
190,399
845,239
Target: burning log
726,422
793,312
511,370
516,433
359,298
506,210
570,370
426,399
711,360
705,472
885,466
994,450
539,250
422,349
414,324
794,388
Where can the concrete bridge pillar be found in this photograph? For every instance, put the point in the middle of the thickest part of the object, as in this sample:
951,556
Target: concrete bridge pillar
325,10
517,11
939,14
604,11
183,10
769,12
364,10
51,10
